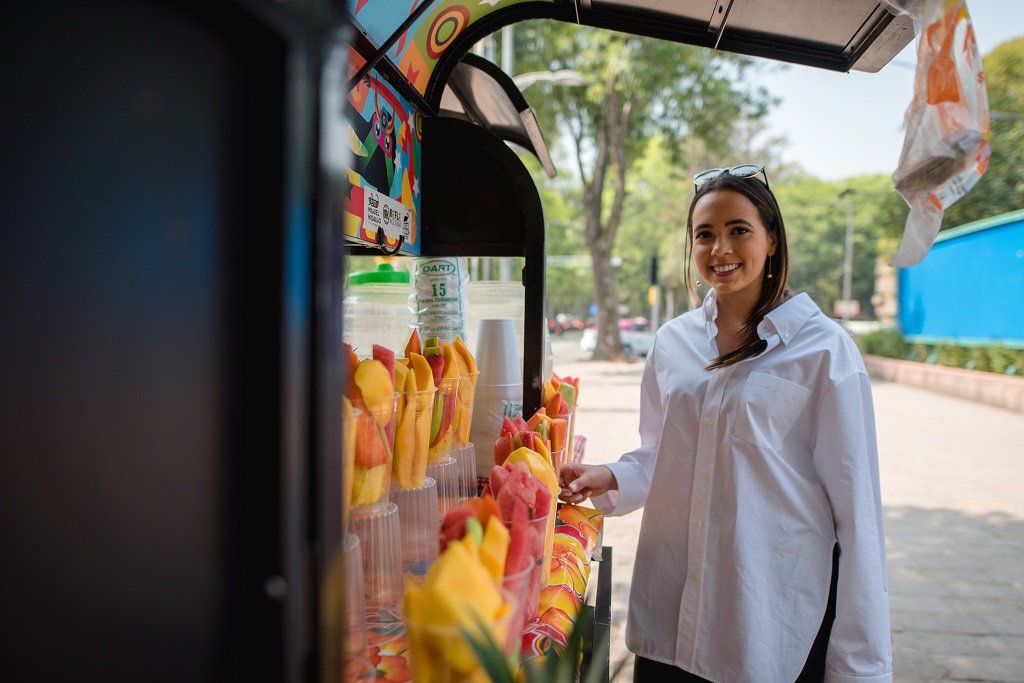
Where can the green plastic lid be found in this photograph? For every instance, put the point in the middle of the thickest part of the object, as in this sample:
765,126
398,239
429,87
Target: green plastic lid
385,273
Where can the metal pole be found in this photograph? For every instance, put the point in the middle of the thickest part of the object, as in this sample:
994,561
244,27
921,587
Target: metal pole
848,261
507,57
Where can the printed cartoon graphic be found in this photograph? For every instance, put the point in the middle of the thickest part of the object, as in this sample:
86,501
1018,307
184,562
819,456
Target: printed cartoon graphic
384,137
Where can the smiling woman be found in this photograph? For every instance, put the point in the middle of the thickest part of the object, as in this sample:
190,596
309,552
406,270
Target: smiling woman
737,240
761,555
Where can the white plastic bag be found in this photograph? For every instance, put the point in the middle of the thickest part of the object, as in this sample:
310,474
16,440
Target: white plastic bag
946,149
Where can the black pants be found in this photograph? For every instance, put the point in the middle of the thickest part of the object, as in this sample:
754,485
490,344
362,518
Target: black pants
650,671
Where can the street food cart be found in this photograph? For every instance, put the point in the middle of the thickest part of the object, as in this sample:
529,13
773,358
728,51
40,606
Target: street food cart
174,308
428,123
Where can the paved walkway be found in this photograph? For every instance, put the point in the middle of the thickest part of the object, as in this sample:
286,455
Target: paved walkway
953,487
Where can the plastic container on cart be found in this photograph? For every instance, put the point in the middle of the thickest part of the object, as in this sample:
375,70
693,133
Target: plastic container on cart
465,460
379,532
375,440
441,654
444,414
380,308
418,519
446,473
495,299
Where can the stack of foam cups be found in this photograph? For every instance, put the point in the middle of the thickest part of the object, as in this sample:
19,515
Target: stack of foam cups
500,383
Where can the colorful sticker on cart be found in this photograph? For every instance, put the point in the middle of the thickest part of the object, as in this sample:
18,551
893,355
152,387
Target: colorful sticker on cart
382,133
382,212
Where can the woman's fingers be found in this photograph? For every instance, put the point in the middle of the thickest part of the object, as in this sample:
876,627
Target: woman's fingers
577,483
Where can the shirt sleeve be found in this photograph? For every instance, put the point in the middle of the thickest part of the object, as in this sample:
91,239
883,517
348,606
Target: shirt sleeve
846,460
633,471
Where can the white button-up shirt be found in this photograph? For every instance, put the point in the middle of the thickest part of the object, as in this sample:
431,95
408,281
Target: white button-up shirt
750,474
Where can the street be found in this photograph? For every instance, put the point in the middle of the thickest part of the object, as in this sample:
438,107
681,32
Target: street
952,475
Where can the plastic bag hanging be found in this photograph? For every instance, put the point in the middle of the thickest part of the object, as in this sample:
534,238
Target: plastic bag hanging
946,149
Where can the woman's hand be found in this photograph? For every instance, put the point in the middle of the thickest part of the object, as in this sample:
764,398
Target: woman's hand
580,482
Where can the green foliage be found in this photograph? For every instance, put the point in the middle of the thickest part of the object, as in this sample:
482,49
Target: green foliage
1001,189
887,343
979,359
815,230
1001,359
952,356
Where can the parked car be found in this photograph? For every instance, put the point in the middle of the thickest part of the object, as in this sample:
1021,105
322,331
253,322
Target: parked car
635,342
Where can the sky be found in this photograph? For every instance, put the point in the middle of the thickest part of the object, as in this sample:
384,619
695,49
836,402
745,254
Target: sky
838,125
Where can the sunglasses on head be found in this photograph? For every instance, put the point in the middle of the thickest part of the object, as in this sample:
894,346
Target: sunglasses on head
739,171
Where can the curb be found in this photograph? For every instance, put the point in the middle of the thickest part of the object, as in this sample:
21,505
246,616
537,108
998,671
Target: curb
973,385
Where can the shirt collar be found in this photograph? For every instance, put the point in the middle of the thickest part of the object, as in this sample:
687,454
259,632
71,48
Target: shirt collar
782,322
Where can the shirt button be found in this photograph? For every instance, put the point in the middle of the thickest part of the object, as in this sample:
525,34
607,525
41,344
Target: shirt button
704,474
708,421
695,576
698,524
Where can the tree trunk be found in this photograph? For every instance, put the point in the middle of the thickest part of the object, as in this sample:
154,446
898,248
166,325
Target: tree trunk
609,344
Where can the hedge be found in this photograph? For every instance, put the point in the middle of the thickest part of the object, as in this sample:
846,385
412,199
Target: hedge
993,358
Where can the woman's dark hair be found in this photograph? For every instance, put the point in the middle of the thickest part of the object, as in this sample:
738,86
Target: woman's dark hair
773,290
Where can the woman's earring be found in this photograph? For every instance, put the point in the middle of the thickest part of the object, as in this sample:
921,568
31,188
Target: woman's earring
769,267
697,283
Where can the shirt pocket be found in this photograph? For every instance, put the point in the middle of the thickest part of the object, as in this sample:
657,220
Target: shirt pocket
768,407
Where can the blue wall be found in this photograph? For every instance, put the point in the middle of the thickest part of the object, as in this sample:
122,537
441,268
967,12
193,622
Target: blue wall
970,287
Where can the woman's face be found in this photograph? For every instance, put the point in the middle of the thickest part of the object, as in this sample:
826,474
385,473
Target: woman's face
730,243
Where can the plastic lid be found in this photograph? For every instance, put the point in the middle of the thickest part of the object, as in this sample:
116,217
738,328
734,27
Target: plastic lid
384,274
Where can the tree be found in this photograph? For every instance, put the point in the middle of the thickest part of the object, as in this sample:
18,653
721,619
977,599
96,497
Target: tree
1001,189
815,226
637,89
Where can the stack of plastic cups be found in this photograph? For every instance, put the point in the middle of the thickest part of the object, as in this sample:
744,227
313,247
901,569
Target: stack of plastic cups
449,494
465,461
418,511
500,383
357,665
378,529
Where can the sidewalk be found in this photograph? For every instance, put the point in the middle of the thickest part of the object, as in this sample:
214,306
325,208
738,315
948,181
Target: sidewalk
953,487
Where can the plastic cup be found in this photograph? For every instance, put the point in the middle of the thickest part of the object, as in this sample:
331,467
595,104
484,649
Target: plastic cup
375,434
559,458
518,587
537,568
465,459
418,515
443,415
441,653
464,407
343,611
497,356
378,529
348,454
446,474
412,439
